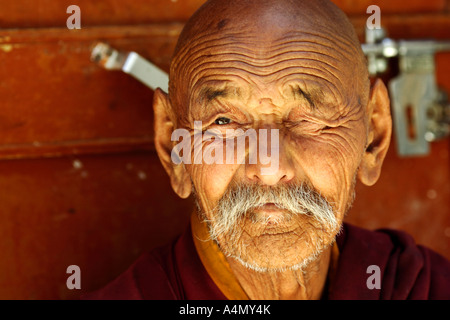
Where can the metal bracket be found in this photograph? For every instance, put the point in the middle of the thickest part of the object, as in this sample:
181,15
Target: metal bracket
131,63
420,109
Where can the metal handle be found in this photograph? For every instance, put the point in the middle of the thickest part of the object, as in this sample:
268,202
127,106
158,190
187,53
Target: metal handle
131,63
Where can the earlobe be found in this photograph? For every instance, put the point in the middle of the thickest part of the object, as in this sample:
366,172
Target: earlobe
379,134
164,125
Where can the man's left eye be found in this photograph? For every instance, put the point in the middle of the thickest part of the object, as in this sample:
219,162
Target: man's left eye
222,121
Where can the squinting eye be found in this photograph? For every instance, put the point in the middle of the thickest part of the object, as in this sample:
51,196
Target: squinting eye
222,121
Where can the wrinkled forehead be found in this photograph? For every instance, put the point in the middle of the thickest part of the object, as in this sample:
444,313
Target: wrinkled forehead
271,54
297,58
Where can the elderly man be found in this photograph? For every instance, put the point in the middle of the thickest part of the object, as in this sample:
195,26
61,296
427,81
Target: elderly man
294,68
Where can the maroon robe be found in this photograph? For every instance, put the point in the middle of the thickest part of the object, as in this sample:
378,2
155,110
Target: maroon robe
408,271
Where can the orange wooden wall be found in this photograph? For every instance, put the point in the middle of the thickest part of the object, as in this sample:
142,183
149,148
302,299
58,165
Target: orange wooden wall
80,182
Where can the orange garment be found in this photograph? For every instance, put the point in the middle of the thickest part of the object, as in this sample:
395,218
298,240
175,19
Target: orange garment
215,262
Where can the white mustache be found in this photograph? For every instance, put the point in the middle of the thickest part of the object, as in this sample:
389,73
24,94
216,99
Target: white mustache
240,200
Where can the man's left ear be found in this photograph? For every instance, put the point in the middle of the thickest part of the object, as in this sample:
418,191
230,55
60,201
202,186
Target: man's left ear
379,134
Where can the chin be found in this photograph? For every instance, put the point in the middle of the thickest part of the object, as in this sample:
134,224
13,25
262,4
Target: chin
276,248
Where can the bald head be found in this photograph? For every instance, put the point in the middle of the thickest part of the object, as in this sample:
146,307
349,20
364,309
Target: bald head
260,16
263,37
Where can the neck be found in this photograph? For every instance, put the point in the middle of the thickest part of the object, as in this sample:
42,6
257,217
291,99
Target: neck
303,284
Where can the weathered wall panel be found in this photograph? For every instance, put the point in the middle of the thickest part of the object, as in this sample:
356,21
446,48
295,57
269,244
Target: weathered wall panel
98,212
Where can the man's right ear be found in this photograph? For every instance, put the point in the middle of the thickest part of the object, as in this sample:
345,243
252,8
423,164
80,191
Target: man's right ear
164,126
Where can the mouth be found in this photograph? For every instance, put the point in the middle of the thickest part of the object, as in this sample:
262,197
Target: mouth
270,213
269,207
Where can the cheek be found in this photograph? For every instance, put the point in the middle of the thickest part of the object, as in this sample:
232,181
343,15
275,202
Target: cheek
329,162
211,182
213,176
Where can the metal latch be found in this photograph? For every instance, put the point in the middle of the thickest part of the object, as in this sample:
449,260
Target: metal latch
421,111
131,63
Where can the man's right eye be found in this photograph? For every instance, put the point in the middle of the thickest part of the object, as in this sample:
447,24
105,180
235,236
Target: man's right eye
222,121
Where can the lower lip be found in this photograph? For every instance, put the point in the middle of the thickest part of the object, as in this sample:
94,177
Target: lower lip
273,221
268,206
269,210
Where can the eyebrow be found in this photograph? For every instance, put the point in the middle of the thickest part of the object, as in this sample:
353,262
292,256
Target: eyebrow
313,98
209,93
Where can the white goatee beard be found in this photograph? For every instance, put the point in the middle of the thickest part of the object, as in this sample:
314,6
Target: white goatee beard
240,200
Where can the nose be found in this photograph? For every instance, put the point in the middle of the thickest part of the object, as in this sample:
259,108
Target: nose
273,163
